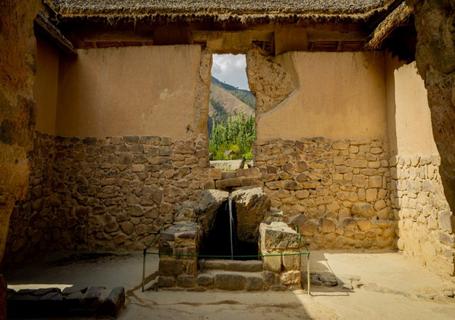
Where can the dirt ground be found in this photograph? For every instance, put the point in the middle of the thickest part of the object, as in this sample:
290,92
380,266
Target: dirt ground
372,286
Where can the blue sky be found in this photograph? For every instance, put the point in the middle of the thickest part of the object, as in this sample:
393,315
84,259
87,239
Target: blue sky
230,69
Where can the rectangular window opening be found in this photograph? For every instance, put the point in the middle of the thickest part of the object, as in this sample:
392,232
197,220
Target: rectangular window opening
232,107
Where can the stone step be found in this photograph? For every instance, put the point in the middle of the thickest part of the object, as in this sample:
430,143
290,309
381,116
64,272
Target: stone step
231,265
232,280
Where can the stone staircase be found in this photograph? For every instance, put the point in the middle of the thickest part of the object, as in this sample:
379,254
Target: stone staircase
236,275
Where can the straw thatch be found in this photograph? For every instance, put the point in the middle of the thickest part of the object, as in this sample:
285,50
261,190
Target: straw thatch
242,10
396,18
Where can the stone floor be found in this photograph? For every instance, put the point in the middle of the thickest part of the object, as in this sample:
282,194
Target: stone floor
371,286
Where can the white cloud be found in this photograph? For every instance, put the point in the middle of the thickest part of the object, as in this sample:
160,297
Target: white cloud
230,69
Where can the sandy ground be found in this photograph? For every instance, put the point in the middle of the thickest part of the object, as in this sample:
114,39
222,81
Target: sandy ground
379,286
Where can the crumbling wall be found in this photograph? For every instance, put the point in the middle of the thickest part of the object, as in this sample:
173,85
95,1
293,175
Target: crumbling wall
16,104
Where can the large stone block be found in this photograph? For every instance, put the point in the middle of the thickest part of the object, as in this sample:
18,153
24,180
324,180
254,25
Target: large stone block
363,209
229,281
278,236
209,202
251,205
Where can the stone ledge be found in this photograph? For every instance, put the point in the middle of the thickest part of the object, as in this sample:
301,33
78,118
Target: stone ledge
72,302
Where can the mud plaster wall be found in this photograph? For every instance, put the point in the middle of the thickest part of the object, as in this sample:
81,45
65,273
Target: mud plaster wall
129,91
417,191
335,95
46,86
117,192
17,65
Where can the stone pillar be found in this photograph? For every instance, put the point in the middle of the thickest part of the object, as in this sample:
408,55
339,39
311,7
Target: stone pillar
178,250
280,246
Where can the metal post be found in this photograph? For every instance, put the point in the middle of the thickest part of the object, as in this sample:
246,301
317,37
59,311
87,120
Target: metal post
308,273
143,268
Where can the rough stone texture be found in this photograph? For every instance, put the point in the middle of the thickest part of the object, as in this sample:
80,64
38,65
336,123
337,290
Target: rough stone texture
230,281
178,255
268,80
425,220
17,69
336,192
209,202
251,205
105,194
435,57
71,302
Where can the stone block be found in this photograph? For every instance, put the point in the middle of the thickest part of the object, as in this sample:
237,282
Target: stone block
251,205
94,297
379,205
291,279
229,281
272,262
291,261
362,209
114,302
278,236
166,282
365,225
254,283
371,195
205,280
446,221
270,279
186,281
328,226
359,181
375,182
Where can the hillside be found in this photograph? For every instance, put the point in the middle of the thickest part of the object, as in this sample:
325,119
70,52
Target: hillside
227,100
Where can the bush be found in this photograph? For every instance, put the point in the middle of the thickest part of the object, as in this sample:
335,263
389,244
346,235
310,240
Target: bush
233,138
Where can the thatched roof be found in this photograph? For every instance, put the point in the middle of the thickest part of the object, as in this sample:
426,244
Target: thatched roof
243,10
395,19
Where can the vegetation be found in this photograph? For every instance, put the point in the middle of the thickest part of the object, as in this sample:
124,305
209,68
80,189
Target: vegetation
232,138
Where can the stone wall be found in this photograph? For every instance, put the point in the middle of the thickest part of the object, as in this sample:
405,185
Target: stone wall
105,194
425,229
336,191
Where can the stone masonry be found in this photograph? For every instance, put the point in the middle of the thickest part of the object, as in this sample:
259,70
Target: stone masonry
105,194
335,191
425,219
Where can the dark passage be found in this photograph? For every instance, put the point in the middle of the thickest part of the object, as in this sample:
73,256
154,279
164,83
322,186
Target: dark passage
217,240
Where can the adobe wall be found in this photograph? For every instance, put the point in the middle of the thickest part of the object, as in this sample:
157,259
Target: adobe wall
338,149
127,91
322,145
129,147
46,86
417,191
